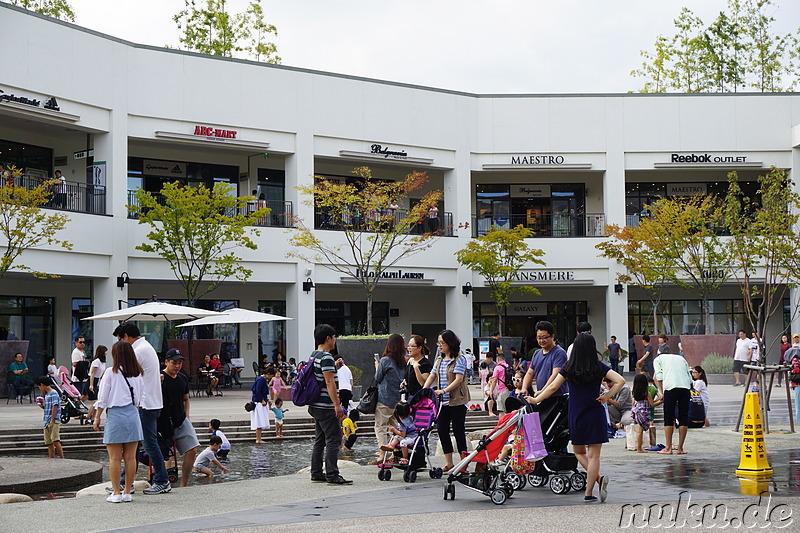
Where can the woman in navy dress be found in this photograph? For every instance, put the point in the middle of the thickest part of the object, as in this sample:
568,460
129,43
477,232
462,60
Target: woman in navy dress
587,418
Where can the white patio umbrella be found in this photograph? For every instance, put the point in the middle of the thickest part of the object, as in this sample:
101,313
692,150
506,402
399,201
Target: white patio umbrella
235,316
155,311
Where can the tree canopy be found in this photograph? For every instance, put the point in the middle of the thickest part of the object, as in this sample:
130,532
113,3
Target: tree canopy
497,256
24,224
59,9
738,51
211,28
378,232
198,231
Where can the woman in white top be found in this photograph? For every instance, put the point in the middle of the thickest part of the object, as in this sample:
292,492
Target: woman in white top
119,394
700,384
96,370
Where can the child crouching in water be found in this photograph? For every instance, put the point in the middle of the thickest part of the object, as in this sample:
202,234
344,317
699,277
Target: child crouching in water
225,449
208,456
349,429
643,401
404,434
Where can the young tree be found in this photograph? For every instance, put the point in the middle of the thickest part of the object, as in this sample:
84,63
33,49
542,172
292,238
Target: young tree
23,223
377,236
684,231
647,269
212,29
197,231
766,53
59,9
498,256
762,247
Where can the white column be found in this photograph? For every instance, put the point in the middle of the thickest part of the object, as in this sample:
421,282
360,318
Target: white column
112,148
300,171
617,317
794,294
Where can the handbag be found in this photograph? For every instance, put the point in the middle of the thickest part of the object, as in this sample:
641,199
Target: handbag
519,464
249,406
369,401
534,438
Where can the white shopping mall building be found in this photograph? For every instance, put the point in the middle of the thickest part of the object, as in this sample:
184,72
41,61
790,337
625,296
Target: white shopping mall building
116,116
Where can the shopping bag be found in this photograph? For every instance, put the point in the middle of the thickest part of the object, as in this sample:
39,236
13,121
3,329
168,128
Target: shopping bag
369,401
534,439
519,464
630,437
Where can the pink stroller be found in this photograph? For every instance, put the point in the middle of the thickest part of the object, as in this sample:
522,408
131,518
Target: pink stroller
71,404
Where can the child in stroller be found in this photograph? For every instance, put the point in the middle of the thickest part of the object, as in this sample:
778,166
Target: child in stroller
71,404
413,446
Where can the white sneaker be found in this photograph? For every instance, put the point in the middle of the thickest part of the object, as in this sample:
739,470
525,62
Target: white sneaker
114,498
127,498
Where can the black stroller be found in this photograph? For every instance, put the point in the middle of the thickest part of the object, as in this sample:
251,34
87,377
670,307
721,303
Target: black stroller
559,468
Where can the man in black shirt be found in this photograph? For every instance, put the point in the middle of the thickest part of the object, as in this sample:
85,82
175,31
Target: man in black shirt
174,420
494,345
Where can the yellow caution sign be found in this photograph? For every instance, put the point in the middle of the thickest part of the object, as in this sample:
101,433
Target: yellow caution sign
753,459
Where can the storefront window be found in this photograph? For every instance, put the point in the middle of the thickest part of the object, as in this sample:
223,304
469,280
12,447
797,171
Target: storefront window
686,317
349,318
152,174
34,161
31,319
82,308
556,209
272,335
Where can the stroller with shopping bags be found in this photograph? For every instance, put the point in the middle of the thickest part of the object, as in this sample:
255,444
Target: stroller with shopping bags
424,408
559,469
488,478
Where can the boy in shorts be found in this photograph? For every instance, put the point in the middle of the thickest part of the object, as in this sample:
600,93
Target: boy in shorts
52,417
278,410
225,449
174,419
208,456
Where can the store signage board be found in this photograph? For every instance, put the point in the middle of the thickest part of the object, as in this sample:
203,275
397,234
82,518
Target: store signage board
208,134
172,169
385,153
42,107
523,309
51,103
214,133
83,154
537,161
706,160
686,189
530,191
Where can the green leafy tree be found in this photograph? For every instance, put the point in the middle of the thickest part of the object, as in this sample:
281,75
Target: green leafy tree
197,232
762,248
376,236
498,256
59,9
650,271
24,225
684,231
766,51
210,28
654,68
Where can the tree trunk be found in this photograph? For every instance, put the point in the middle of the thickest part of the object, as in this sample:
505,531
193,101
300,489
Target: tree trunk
500,324
369,312
707,316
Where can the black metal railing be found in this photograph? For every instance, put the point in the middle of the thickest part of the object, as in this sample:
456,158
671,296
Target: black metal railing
719,229
67,195
549,225
280,215
441,225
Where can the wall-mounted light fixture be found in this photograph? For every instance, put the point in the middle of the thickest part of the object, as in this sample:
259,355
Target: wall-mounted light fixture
618,288
123,280
308,285
466,289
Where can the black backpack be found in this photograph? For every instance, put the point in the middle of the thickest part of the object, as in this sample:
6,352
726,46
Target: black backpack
508,377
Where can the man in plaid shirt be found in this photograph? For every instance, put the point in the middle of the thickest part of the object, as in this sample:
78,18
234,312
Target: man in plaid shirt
52,417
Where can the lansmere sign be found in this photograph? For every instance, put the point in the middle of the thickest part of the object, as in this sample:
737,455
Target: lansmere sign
545,275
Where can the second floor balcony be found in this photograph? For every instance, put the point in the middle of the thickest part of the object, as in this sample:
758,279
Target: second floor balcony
67,195
441,225
545,225
280,215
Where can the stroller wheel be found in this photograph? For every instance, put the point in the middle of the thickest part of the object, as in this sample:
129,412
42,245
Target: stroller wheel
445,492
558,484
387,474
381,474
64,417
439,472
412,476
499,496
452,490
406,475
537,481
577,481
516,481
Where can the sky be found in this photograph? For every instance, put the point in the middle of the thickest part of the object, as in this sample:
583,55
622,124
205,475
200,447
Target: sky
489,46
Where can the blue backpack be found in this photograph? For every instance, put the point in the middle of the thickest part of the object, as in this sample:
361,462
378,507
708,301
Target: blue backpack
305,389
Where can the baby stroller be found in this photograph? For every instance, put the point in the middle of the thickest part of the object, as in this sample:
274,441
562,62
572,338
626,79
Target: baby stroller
71,404
168,451
487,478
559,468
424,408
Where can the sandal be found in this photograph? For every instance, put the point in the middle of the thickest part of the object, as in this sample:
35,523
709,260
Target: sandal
403,461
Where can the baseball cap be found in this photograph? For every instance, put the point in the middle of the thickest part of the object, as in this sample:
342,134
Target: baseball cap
174,355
